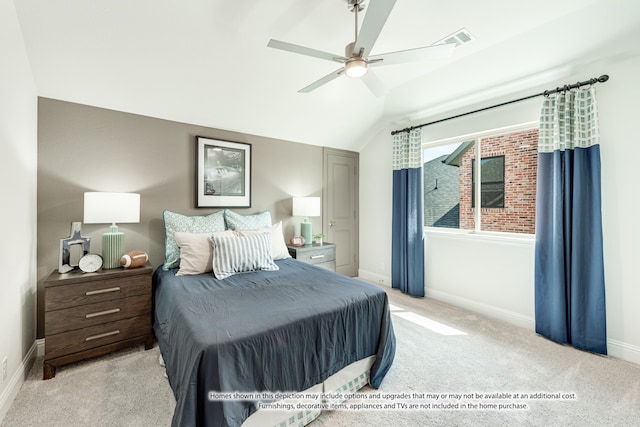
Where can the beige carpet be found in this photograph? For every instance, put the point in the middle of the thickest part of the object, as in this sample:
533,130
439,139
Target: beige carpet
128,388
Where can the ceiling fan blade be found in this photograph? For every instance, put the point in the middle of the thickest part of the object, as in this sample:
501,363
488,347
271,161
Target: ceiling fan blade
440,51
374,84
290,47
377,13
326,79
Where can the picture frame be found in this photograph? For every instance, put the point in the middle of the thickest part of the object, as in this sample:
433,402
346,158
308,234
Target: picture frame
297,241
223,173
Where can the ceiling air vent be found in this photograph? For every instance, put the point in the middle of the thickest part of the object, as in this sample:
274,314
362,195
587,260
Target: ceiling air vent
460,37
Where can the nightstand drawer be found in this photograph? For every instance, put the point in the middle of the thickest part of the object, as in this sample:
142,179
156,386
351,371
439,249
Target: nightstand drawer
317,256
59,297
329,265
95,336
94,314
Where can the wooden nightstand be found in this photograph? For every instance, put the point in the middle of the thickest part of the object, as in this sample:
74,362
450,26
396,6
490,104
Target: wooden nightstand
321,255
91,314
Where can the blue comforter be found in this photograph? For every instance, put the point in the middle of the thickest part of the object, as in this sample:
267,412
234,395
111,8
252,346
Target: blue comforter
284,330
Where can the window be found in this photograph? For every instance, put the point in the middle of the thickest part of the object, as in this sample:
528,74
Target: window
441,172
507,176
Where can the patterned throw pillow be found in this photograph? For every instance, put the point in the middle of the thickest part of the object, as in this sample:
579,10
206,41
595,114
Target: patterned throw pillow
241,254
186,224
235,221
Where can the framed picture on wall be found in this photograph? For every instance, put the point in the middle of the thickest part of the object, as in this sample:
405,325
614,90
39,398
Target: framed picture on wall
223,174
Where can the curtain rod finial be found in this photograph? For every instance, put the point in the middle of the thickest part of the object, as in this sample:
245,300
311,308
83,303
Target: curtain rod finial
603,78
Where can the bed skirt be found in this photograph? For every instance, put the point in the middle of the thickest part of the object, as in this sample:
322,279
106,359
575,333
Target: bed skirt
348,380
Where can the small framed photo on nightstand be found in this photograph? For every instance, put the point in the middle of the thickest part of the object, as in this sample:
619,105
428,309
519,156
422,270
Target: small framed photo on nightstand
297,241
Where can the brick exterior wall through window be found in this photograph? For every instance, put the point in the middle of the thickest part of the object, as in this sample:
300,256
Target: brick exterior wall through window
521,158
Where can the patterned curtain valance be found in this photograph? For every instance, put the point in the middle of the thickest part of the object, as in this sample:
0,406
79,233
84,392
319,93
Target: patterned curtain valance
569,120
407,150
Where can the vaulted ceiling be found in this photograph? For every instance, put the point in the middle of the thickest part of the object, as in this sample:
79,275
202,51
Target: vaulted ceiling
206,62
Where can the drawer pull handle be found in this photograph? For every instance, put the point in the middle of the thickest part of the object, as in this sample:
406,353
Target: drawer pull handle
106,334
102,313
102,291
317,256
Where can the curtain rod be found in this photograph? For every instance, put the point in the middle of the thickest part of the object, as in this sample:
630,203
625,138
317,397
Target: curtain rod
603,78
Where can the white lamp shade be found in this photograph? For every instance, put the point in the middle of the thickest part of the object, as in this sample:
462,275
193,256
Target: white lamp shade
111,208
306,206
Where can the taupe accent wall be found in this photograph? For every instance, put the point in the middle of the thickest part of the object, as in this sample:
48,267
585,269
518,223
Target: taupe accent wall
83,148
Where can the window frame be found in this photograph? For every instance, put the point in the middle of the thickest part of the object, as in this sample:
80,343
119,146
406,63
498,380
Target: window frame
476,137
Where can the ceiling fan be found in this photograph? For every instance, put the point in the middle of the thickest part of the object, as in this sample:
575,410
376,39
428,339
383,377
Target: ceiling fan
357,59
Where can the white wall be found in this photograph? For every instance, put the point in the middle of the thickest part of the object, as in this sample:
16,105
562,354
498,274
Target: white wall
18,164
494,276
620,151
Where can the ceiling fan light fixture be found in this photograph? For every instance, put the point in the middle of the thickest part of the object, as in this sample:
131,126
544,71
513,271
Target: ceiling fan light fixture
355,68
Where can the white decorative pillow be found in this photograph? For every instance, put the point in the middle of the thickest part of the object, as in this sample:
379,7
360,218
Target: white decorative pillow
235,221
278,246
196,252
186,224
241,254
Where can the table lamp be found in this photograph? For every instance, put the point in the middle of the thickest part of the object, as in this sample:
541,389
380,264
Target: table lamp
104,208
306,207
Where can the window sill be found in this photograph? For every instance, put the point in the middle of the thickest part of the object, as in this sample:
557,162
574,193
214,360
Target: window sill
488,236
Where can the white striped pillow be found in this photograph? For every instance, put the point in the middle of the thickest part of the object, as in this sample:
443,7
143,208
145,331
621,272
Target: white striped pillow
241,254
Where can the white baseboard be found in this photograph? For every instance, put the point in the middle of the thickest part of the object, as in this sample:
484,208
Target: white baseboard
17,379
624,351
40,344
374,278
508,316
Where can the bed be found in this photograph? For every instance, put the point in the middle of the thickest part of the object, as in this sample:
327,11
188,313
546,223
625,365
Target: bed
295,328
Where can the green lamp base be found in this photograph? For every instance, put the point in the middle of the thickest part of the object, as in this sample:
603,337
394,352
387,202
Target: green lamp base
112,248
305,231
